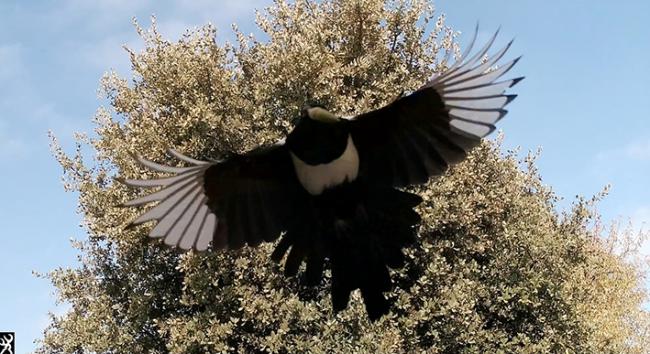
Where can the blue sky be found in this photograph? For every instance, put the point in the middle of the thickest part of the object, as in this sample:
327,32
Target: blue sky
585,101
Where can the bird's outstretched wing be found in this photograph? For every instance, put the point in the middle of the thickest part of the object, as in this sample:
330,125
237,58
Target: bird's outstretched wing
420,135
245,199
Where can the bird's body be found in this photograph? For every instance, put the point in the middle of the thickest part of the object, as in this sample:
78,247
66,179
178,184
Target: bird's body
343,218
322,151
332,190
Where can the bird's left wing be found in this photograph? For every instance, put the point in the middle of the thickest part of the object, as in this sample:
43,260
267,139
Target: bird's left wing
420,135
245,199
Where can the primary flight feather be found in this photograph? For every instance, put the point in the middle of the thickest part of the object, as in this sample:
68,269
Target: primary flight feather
330,189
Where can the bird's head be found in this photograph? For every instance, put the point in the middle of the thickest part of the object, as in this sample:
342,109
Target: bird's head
315,137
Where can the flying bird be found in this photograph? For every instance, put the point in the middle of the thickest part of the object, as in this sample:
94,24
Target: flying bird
331,190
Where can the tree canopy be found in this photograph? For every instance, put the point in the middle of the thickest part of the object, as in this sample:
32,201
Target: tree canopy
496,267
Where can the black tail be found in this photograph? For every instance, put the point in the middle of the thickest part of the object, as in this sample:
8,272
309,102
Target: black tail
362,230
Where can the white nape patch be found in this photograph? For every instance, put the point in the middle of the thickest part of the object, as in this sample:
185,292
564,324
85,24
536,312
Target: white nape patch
321,115
316,178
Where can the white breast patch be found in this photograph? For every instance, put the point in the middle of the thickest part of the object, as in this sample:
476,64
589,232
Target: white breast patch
316,178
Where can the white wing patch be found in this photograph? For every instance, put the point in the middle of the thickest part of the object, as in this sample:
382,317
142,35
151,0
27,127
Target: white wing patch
182,216
316,178
468,89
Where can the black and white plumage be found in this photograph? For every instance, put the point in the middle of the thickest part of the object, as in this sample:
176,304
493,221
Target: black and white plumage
331,187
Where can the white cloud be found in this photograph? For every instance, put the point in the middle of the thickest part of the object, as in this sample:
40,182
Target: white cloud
98,15
111,22
108,53
636,150
90,39
639,150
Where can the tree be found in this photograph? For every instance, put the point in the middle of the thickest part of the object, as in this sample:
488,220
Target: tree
495,268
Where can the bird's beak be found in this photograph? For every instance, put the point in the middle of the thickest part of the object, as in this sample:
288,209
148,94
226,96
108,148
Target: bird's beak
303,111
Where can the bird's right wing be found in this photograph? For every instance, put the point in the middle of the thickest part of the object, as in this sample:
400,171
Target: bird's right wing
245,199
422,134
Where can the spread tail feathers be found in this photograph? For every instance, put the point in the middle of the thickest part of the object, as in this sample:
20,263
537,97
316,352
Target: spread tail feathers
362,232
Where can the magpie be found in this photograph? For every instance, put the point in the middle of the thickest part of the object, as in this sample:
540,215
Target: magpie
332,191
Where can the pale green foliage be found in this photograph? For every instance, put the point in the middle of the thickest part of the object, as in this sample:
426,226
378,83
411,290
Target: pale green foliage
496,269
